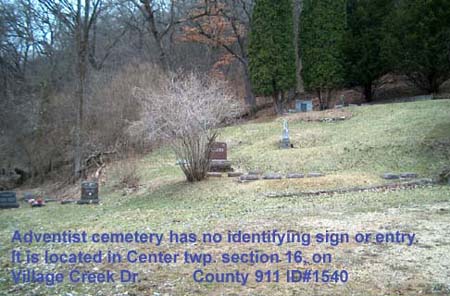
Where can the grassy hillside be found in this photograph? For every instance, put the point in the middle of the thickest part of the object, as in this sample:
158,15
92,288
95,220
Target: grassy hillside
397,137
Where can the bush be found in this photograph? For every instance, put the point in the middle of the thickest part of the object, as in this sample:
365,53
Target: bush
186,112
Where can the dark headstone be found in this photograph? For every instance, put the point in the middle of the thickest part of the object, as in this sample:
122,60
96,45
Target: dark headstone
295,176
218,151
390,176
272,176
8,200
218,165
408,175
89,193
314,175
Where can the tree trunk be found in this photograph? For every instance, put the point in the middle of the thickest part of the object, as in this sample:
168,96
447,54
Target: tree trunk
298,59
250,99
434,83
79,123
82,42
163,59
328,98
368,92
278,98
320,96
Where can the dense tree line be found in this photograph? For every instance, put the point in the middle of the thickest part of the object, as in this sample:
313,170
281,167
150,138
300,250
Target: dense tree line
67,67
354,43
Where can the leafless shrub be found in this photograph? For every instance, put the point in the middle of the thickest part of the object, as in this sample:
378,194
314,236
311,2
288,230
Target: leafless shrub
186,112
111,108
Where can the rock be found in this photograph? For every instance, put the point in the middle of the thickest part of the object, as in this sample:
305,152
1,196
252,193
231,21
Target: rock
390,176
272,176
295,176
214,174
314,175
234,174
408,175
249,177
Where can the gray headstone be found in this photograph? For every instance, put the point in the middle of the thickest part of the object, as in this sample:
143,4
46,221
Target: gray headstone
408,175
295,176
314,175
272,176
390,176
29,195
285,141
8,200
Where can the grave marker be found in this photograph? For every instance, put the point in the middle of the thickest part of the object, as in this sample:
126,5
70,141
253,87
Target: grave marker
285,142
89,193
8,200
218,151
218,158
303,106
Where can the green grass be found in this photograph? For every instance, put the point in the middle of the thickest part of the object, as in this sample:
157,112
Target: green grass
397,137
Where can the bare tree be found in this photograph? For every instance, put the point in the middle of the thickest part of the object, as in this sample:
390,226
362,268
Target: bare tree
226,24
155,12
186,112
80,19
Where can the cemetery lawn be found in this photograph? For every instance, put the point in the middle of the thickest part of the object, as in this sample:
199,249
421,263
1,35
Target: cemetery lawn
404,137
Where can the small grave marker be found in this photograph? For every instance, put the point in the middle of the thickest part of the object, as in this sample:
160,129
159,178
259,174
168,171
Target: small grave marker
285,141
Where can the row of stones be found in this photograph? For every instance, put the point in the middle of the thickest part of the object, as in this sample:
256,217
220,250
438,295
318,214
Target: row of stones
253,176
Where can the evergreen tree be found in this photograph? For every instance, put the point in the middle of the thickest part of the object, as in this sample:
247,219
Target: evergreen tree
362,47
417,42
322,29
271,50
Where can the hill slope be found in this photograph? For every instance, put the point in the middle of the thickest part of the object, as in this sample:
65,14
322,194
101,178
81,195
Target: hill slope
398,137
